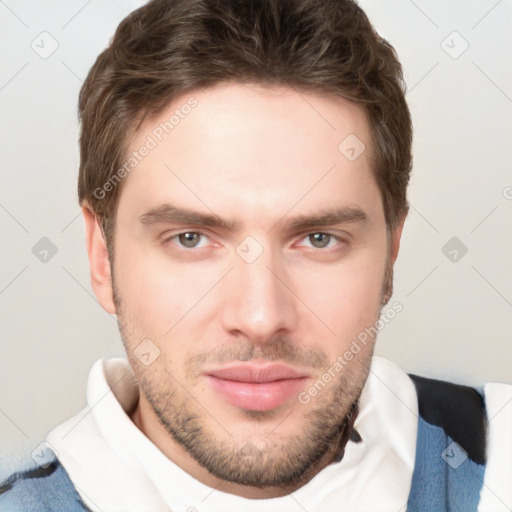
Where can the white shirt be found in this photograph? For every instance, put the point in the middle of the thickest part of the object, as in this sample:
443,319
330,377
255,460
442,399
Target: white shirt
116,468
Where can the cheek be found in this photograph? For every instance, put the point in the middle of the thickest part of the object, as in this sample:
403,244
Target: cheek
352,285
152,299
163,300
350,300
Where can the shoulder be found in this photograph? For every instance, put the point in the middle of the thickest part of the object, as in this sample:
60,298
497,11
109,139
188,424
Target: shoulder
464,448
451,447
458,410
39,486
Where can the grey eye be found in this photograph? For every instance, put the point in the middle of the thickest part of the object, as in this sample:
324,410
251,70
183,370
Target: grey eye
189,239
320,240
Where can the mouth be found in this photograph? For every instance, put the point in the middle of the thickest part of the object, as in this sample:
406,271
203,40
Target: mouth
256,387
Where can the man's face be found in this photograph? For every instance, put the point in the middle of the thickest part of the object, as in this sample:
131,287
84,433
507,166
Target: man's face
249,317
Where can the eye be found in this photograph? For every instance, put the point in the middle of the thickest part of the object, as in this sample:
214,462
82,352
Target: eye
187,239
321,240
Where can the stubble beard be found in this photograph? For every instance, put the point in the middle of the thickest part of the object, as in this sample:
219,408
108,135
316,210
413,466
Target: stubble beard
272,460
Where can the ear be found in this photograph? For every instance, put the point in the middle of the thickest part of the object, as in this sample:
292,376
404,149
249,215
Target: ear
101,273
396,235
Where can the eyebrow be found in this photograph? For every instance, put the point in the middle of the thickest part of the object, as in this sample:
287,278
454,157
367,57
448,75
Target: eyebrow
171,214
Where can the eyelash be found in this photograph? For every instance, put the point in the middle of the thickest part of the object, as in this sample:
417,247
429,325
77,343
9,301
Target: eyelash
191,249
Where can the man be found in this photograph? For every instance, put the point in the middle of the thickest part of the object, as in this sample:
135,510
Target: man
243,177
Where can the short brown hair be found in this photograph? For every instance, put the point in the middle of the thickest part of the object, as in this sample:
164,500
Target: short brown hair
169,47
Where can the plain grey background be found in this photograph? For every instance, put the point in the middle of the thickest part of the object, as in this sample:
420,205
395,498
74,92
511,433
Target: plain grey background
457,305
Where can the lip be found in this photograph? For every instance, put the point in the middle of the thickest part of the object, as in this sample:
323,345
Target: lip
257,373
256,387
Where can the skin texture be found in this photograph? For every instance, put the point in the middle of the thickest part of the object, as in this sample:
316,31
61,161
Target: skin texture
259,155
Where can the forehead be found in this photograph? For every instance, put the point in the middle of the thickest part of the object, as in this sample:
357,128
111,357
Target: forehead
244,146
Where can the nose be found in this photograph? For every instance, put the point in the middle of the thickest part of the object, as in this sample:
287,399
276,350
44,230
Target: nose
258,299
